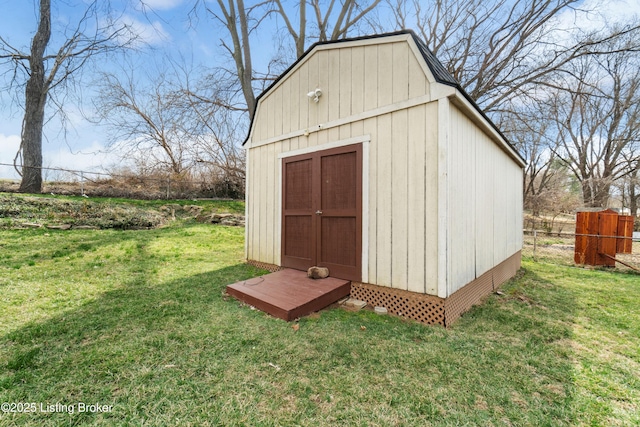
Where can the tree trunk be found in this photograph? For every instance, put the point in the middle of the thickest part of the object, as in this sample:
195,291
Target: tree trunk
589,193
35,101
302,32
633,200
634,197
601,196
595,192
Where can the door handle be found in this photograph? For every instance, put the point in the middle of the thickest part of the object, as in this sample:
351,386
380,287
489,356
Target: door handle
318,212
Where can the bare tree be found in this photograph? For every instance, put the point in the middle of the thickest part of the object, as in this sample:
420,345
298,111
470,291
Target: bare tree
215,127
598,122
329,23
503,50
511,53
528,130
44,69
143,117
239,22
333,21
170,123
629,187
633,186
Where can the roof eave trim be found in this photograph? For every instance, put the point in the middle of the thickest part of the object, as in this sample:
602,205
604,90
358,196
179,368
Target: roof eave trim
461,99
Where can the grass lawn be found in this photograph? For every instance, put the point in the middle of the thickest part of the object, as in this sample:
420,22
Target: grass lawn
138,320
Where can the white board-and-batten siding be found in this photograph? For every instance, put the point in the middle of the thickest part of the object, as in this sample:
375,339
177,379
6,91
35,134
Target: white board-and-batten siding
402,173
357,80
484,194
377,92
401,235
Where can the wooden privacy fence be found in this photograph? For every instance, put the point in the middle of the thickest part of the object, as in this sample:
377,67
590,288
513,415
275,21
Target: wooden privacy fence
601,235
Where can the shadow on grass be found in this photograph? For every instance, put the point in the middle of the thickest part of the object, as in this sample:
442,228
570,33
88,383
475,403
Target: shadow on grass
134,307
183,353
108,349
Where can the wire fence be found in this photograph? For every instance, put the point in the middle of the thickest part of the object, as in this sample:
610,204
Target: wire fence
65,181
559,248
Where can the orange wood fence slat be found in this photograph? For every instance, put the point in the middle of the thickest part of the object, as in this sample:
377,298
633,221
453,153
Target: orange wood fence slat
625,234
607,229
601,235
586,249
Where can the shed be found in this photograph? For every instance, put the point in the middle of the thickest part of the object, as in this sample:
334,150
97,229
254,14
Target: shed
367,157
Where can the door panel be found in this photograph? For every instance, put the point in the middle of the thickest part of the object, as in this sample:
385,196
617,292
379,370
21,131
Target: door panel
298,236
298,191
298,222
339,181
339,239
322,211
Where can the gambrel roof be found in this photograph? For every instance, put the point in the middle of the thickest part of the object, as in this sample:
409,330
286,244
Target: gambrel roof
439,73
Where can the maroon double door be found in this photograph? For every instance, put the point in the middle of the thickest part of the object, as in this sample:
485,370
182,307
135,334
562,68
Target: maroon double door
322,211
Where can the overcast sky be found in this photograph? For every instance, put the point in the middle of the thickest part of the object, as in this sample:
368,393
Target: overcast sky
164,25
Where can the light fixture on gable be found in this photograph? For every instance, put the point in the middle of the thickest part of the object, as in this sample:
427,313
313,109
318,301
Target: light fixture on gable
315,94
